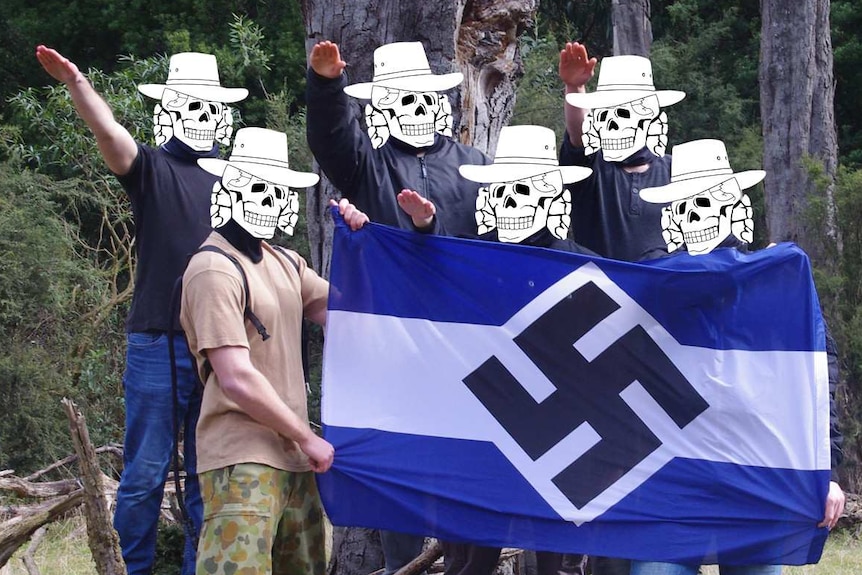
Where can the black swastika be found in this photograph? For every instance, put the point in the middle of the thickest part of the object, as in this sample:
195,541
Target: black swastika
585,392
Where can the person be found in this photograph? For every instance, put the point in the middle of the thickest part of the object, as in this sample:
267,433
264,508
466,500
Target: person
626,136
527,204
403,173
709,210
169,197
257,453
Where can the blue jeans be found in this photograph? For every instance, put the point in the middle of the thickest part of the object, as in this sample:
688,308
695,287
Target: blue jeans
656,568
149,445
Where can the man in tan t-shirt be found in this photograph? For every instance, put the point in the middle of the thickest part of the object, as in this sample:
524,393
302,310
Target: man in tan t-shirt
256,452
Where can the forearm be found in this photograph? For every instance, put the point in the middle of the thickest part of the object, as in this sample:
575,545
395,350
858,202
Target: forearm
117,146
574,117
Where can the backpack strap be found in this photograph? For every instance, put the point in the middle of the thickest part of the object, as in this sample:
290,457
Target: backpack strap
249,315
305,337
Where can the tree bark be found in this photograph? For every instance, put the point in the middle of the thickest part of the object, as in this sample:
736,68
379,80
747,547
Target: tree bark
632,27
478,38
18,530
103,540
797,90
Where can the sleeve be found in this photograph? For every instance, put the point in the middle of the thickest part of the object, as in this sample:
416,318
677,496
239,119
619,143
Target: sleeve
133,181
315,289
334,135
571,155
213,304
835,438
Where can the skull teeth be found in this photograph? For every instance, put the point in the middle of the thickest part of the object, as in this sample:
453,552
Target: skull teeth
521,223
261,220
618,144
417,129
202,135
700,236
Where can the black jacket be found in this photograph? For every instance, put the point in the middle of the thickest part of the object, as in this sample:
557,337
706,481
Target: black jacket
371,179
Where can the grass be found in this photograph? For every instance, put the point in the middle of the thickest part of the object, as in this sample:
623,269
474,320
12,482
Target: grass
64,551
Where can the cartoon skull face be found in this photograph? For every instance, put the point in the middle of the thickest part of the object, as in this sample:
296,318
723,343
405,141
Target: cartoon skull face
705,219
410,116
521,207
259,206
194,121
623,129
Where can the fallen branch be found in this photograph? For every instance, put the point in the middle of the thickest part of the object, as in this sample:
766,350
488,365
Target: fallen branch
102,538
43,490
29,558
113,448
17,531
423,561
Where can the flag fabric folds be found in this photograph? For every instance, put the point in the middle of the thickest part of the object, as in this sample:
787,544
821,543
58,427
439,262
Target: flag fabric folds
671,410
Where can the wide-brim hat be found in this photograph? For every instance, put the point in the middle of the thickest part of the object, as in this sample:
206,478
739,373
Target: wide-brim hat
696,167
523,152
623,79
404,66
262,153
194,74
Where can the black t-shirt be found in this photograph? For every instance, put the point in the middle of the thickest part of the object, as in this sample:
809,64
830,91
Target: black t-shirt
608,214
170,199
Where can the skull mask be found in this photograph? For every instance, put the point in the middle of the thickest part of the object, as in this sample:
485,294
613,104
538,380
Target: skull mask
259,206
195,122
521,208
705,220
623,129
410,116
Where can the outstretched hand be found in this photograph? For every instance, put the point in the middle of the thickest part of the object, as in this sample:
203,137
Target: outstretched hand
576,68
420,209
351,214
58,66
325,60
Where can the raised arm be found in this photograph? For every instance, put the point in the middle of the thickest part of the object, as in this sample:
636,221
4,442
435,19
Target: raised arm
243,384
576,69
116,144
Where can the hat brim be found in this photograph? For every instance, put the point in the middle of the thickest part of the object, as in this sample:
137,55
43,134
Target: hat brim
611,98
423,83
492,173
270,173
209,93
688,188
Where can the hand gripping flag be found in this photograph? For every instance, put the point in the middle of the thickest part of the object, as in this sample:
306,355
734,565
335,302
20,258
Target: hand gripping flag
673,410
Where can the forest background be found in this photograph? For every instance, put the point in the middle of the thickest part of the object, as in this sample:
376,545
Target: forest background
66,230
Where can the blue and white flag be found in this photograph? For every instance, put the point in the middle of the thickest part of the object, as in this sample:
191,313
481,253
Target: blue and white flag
672,410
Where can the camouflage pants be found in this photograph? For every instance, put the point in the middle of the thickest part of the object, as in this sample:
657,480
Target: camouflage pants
260,521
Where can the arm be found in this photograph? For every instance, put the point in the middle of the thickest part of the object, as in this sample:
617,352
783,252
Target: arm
334,135
116,144
249,389
835,498
575,71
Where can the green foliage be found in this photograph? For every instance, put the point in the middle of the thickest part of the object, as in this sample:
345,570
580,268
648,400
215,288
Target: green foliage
540,93
846,23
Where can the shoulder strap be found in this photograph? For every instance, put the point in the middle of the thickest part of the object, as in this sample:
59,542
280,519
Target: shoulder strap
286,254
304,335
249,315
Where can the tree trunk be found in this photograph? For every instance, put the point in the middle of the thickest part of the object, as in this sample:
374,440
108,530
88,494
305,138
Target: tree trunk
632,27
478,38
797,90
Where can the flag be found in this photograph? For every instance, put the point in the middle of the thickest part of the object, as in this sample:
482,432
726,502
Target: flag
671,410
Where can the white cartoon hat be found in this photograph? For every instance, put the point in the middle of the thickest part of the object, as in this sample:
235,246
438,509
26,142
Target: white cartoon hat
523,152
404,66
194,74
262,153
623,79
698,166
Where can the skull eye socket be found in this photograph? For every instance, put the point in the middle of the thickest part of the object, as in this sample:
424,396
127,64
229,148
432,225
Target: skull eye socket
429,99
623,113
602,115
195,106
408,99
680,208
498,191
702,202
214,108
522,189
279,193
258,188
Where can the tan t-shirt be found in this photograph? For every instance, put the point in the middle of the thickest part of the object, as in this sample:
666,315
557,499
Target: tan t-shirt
213,301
